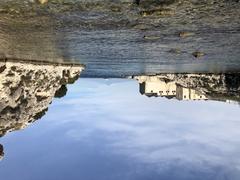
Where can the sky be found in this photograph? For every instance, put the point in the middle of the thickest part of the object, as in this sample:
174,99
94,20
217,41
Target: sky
105,129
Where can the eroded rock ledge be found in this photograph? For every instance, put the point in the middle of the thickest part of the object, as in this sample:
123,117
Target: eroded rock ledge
27,88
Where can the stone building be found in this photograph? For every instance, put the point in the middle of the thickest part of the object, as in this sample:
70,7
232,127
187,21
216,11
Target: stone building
189,94
159,86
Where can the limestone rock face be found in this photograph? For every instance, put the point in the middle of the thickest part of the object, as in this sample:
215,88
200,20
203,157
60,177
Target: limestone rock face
27,89
42,1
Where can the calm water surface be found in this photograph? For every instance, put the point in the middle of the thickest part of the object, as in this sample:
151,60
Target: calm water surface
115,39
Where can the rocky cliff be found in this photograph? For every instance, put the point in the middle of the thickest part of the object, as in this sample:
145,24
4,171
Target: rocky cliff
27,89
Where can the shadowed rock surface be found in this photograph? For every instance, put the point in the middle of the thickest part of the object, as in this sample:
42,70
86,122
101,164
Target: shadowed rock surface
119,38
27,89
222,87
1,152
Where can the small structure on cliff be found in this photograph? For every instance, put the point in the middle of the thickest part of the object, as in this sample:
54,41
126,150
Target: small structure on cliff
189,94
217,87
157,86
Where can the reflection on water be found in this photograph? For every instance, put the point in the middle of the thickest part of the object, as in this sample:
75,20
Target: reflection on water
119,38
27,89
33,38
221,87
